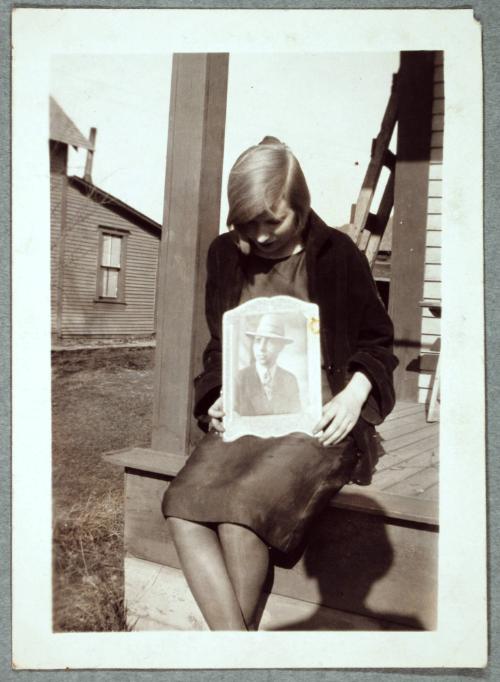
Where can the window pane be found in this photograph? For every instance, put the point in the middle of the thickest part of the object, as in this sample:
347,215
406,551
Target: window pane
111,251
106,249
116,247
110,283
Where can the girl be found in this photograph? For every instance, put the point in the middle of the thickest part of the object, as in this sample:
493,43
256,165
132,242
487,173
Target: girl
233,501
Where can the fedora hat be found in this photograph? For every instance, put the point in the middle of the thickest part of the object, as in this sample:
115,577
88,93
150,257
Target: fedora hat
271,327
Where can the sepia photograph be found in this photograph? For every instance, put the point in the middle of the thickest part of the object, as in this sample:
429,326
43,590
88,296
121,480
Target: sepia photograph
271,368
251,318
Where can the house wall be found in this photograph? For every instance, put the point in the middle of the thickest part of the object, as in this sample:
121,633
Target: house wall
81,313
431,325
58,158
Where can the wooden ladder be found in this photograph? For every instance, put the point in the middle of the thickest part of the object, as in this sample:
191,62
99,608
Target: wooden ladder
366,229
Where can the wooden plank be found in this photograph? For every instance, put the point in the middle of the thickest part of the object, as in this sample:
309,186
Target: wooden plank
428,362
430,342
432,254
158,598
412,414
432,493
191,221
431,325
386,244
407,409
416,484
381,221
438,122
433,239
437,154
403,470
405,425
381,503
434,222
432,290
436,170
438,105
382,271
403,405
433,272
372,175
424,380
437,138
438,73
423,396
435,392
438,59
401,455
415,90
438,89
410,434
435,205
405,439
145,459
435,188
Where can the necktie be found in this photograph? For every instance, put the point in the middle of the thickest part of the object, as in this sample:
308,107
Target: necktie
266,381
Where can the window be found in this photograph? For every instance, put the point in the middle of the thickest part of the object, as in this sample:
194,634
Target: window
111,266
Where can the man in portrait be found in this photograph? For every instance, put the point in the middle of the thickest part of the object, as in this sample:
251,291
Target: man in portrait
264,387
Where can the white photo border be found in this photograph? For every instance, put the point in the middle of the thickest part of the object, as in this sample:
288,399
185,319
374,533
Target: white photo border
461,638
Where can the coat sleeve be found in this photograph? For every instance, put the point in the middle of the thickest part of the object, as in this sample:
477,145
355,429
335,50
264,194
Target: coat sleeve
207,384
373,354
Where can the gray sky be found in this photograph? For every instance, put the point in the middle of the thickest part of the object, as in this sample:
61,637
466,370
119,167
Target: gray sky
326,107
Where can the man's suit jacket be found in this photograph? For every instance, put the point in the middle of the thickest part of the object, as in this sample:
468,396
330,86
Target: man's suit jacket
251,398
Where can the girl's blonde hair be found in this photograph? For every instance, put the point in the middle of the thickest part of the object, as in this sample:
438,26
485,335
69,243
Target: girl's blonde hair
261,176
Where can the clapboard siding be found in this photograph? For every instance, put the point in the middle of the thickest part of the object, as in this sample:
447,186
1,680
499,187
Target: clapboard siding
82,314
56,184
431,325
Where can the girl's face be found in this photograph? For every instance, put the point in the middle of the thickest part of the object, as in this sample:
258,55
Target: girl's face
273,237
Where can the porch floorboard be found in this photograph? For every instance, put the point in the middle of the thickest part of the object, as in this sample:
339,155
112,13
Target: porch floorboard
406,480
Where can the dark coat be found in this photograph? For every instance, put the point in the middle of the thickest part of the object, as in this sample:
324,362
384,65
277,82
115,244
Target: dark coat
251,398
356,331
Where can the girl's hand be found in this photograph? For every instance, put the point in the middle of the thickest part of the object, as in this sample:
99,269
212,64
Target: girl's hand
342,412
216,413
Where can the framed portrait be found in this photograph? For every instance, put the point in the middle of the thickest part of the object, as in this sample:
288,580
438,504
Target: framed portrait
271,368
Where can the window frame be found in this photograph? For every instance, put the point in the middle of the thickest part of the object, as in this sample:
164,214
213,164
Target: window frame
112,232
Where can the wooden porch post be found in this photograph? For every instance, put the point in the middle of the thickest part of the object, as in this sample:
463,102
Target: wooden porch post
190,222
415,84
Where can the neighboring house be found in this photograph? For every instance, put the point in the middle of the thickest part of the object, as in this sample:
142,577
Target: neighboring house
104,253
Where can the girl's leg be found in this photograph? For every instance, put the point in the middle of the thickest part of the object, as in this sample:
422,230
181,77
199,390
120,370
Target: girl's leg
247,562
203,564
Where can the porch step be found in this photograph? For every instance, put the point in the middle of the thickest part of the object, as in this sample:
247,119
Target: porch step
361,558
157,598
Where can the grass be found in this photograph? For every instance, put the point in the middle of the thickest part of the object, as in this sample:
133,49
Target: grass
101,401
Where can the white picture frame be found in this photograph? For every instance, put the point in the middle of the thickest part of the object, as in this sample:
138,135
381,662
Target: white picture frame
271,368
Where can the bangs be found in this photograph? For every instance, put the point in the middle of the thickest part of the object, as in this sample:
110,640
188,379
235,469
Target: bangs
260,178
254,203
263,215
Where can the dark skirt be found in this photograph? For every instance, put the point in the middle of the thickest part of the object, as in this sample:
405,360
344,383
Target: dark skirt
274,486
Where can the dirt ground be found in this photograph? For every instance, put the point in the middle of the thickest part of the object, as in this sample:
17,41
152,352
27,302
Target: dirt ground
101,401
